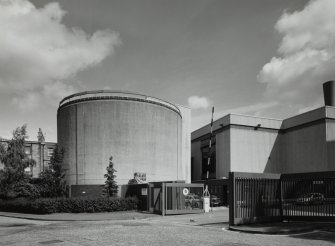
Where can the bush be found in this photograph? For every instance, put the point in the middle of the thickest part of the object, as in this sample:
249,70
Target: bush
69,205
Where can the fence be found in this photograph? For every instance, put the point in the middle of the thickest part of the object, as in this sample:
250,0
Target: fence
308,196
254,198
218,190
275,197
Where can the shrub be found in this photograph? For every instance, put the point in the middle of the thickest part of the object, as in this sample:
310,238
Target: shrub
111,187
68,205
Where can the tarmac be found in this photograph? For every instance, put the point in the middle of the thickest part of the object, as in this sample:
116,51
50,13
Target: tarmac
285,228
218,218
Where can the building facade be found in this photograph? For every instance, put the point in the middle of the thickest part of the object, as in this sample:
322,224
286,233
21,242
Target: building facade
242,143
41,152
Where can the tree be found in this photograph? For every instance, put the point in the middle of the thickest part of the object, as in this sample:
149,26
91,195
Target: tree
51,181
111,187
14,180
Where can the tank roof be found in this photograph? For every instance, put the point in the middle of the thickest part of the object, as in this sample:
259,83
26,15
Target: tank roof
113,94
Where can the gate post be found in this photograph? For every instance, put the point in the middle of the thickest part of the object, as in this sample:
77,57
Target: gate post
281,198
163,197
231,199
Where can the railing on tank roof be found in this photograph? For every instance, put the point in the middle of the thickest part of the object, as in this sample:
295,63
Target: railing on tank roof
105,94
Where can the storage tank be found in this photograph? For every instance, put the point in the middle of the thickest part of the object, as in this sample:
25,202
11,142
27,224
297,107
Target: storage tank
141,133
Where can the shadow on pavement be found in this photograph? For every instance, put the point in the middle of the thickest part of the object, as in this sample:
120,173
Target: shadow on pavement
287,228
328,236
218,224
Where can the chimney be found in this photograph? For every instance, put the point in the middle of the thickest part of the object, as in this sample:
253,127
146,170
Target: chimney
329,93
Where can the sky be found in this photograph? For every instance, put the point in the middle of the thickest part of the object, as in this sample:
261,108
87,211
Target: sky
263,57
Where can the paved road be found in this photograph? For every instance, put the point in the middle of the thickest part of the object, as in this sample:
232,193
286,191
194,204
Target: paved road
169,230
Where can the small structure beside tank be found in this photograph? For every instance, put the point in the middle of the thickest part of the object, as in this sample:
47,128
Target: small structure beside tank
168,197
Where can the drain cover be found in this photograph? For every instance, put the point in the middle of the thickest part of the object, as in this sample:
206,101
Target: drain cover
51,242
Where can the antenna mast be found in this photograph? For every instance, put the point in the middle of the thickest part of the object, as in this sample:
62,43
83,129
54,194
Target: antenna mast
206,192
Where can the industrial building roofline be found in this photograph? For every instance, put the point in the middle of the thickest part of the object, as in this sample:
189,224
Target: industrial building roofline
325,112
238,119
114,94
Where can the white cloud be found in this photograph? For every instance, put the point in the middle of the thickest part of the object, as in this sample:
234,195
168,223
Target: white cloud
40,56
306,56
196,102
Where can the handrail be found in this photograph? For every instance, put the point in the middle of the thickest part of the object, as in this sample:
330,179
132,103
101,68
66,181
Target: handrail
86,95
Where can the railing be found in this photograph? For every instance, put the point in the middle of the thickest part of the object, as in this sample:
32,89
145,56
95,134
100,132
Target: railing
217,190
254,198
308,196
110,94
275,197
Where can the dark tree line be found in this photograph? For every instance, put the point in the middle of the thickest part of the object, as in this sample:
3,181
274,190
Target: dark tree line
16,182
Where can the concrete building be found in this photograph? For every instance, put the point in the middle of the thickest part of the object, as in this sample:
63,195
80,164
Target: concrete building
40,151
242,143
146,136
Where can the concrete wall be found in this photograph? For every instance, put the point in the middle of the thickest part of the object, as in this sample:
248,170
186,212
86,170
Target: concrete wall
67,139
243,144
196,160
253,144
251,149
308,141
141,137
330,138
223,155
331,145
305,149
186,143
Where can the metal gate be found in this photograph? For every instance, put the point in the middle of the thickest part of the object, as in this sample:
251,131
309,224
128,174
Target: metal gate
308,196
277,197
254,198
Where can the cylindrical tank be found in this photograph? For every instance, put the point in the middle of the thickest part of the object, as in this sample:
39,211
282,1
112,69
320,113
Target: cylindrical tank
141,133
329,93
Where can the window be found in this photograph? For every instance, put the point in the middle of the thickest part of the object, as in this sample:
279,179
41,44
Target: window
50,152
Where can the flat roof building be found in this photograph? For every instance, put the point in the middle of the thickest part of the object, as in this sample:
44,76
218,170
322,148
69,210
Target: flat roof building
243,143
40,151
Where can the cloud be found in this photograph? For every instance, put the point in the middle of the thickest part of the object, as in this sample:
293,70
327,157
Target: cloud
196,102
306,56
40,56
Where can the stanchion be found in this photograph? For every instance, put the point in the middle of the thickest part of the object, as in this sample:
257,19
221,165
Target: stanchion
207,196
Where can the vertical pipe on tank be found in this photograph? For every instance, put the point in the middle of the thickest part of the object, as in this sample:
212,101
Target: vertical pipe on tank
177,149
329,93
76,124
